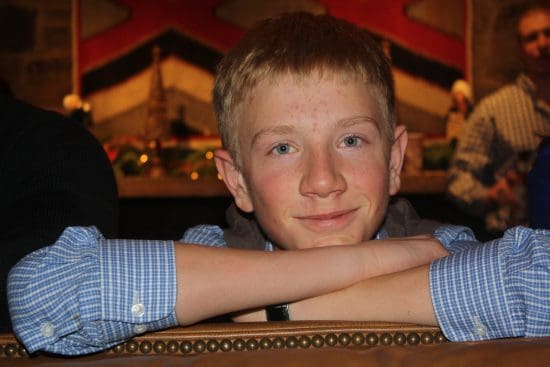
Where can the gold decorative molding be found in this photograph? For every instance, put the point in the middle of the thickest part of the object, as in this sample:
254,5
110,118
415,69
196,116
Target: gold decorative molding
249,337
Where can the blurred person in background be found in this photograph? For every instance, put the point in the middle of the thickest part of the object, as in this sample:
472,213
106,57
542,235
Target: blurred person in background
498,145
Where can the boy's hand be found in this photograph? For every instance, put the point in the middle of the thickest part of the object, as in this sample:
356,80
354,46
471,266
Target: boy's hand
397,254
502,192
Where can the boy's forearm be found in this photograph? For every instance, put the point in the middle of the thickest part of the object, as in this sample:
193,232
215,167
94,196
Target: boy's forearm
378,258
396,297
214,281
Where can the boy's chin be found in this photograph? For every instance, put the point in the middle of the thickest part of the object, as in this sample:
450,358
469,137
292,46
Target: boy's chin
315,240
334,240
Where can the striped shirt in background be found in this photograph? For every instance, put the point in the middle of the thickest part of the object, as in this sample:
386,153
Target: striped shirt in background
500,135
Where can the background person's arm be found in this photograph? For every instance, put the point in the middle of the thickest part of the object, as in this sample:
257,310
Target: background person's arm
469,180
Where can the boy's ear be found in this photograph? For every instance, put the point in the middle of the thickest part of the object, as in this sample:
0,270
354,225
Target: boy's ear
233,179
397,155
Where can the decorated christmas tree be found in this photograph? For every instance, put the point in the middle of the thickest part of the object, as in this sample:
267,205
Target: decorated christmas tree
156,126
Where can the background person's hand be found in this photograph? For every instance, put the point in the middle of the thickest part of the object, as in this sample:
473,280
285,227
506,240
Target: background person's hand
502,192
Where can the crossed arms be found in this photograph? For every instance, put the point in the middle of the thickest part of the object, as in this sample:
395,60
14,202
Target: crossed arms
86,294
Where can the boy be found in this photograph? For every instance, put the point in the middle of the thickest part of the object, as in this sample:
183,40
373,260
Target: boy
306,113
312,149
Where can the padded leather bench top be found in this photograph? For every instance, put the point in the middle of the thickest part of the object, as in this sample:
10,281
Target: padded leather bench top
296,343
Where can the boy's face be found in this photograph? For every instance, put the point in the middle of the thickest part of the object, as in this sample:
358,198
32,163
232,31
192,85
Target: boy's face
315,167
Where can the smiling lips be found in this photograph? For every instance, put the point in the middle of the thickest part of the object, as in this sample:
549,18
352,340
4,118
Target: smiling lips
329,221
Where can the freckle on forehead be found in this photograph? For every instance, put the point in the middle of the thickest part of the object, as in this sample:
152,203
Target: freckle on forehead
315,125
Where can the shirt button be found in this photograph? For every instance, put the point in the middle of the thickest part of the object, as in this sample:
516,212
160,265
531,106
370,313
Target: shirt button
47,329
479,327
481,330
138,309
140,329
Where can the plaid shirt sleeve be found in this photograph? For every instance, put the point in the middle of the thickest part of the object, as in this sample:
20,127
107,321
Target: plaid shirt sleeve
496,290
85,294
468,181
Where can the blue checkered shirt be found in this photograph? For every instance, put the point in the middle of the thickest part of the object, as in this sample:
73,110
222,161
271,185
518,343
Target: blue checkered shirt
85,294
499,289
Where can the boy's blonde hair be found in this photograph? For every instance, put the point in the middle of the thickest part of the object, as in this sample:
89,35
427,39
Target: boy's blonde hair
300,44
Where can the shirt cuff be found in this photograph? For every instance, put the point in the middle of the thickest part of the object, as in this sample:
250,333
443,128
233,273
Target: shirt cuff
469,296
43,289
455,238
85,294
138,288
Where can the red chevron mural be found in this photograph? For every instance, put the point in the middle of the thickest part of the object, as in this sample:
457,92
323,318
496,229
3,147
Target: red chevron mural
148,18
198,20
388,18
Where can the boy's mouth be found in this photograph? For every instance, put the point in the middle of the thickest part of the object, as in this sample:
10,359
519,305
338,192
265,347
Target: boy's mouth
328,221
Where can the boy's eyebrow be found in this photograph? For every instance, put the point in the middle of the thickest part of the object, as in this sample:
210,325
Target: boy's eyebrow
355,120
273,130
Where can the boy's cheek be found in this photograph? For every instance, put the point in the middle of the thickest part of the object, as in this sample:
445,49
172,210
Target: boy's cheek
276,199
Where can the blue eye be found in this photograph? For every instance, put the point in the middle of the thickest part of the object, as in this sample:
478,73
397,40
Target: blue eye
281,149
352,141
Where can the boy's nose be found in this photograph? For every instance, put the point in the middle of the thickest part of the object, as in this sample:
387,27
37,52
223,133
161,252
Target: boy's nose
322,176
